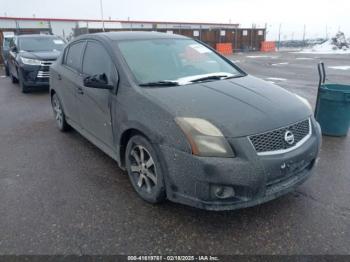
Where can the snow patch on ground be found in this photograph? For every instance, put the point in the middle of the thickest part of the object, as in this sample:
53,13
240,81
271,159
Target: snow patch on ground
235,61
283,63
276,79
262,56
326,48
340,67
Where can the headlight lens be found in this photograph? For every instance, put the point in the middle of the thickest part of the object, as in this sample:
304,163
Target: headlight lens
304,100
28,61
205,138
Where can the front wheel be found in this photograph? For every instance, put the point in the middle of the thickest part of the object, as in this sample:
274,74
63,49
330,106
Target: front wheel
144,170
59,114
23,86
13,79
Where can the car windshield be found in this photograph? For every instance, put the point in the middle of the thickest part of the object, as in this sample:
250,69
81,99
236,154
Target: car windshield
40,43
174,62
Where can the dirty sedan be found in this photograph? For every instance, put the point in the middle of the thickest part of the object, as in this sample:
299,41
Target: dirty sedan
186,123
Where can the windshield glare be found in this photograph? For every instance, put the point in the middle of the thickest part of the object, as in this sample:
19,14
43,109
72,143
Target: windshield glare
37,44
172,59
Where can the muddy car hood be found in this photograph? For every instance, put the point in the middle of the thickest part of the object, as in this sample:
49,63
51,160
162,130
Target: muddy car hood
45,55
239,107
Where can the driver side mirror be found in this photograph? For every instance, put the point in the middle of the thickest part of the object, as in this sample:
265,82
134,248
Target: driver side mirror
97,81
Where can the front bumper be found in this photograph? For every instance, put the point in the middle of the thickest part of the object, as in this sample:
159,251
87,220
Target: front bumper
35,76
192,180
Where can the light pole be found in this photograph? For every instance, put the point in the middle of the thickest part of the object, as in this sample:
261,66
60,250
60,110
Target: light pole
102,20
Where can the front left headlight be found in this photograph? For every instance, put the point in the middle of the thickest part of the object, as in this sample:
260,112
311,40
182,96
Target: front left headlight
29,61
205,138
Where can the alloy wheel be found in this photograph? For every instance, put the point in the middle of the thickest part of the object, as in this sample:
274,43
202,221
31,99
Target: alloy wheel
143,168
56,105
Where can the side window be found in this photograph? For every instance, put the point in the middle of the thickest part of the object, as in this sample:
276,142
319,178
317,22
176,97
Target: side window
73,56
12,42
97,61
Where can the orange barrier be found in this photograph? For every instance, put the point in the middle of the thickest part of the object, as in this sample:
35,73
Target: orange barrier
268,46
224,48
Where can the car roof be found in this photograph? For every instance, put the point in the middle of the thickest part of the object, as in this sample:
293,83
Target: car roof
132,35
34,35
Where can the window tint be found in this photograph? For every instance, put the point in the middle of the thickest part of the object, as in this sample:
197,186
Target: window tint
97,61
74,53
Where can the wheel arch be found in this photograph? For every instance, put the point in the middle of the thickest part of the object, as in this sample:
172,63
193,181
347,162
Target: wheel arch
124,139
52,92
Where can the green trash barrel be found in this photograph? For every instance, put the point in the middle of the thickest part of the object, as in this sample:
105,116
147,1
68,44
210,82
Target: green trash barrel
333,109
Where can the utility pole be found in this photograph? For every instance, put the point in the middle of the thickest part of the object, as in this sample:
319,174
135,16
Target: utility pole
304,34
326,32
279,37
102,20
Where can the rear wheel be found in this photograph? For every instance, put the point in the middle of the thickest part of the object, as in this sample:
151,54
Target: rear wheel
59,114
144,170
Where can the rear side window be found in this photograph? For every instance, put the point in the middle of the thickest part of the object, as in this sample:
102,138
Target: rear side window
74,54
97,61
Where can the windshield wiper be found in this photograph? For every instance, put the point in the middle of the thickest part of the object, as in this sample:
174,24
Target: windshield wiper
235,76
161,83
215,77
212,77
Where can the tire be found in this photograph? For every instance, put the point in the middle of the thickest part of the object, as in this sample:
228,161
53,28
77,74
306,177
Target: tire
13,79
60,117
24,87
144,170
7,72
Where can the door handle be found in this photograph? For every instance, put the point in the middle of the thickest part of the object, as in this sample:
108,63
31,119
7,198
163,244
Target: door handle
80,91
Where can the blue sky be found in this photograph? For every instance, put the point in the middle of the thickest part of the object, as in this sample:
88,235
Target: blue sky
317,15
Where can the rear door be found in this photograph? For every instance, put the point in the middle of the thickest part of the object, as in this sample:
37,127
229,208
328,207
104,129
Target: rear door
69,78
94,104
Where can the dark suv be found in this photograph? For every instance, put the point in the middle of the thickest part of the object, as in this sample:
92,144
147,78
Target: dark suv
30,59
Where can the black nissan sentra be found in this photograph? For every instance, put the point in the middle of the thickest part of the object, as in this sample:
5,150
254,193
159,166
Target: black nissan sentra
186,123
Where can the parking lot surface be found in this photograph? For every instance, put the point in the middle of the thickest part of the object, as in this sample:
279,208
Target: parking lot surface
59,194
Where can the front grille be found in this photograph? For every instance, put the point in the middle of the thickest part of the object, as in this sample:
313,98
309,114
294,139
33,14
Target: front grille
44,71
274,141
47,63
43,74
